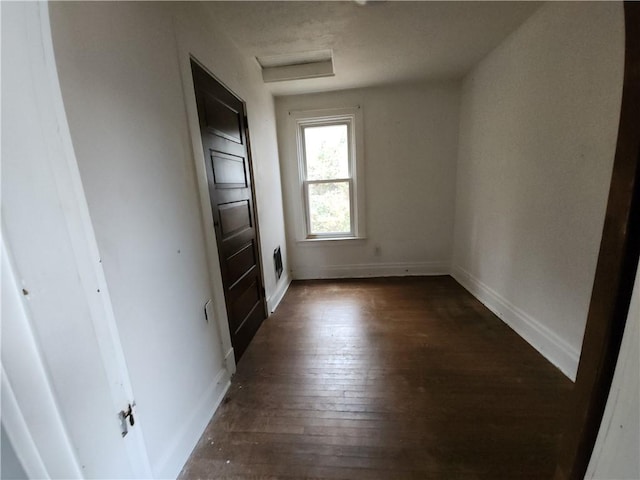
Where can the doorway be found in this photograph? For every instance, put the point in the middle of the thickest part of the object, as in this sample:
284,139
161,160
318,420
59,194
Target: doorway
225,141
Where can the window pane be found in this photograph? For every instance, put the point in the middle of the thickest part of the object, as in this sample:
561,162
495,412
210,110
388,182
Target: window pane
326,152
329,210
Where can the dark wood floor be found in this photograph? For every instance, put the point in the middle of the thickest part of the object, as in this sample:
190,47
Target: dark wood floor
385,379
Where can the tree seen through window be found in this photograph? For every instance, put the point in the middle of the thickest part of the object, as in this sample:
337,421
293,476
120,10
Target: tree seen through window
328,178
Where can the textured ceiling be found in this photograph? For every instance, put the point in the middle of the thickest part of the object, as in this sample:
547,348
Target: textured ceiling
375,44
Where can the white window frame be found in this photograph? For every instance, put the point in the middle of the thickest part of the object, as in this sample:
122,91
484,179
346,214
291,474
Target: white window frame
352,117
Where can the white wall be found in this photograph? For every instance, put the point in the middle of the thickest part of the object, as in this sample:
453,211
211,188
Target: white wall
410,146
615,455
244,77
63,373
10,466
538,129
124,73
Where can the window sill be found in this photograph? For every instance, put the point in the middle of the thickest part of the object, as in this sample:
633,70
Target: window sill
331,240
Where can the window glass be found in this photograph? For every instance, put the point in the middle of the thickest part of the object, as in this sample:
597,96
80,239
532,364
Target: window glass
329,208
326,152
331,204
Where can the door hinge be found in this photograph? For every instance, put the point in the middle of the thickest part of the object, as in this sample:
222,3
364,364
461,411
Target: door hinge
246,122
126,416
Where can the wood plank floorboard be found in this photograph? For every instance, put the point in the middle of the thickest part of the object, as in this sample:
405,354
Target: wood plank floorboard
396,378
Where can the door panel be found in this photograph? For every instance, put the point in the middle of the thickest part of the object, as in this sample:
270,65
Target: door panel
224,140
234,218
241,262
222,119
228,171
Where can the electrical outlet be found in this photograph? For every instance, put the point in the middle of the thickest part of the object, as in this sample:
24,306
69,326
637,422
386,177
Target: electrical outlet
208,310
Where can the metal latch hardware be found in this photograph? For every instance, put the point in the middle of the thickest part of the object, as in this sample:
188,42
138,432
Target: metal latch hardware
124,415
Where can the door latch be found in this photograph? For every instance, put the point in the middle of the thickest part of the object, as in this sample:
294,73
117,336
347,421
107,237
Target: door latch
126,416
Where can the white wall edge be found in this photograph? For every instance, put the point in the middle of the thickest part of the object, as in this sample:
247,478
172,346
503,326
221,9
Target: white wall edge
615,451
184,441
85,247
274,300
556,350
44,451
371,270
18,432
184,53
68,191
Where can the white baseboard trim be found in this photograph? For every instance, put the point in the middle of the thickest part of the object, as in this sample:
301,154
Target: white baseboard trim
371,270
274,300
230,362
564,356
185,440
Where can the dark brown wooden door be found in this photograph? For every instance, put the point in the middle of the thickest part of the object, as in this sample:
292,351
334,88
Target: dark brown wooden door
229,175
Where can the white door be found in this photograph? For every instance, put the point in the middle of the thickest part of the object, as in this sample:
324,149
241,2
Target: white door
64,378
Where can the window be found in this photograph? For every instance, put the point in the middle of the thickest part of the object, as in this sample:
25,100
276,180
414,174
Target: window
329,168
